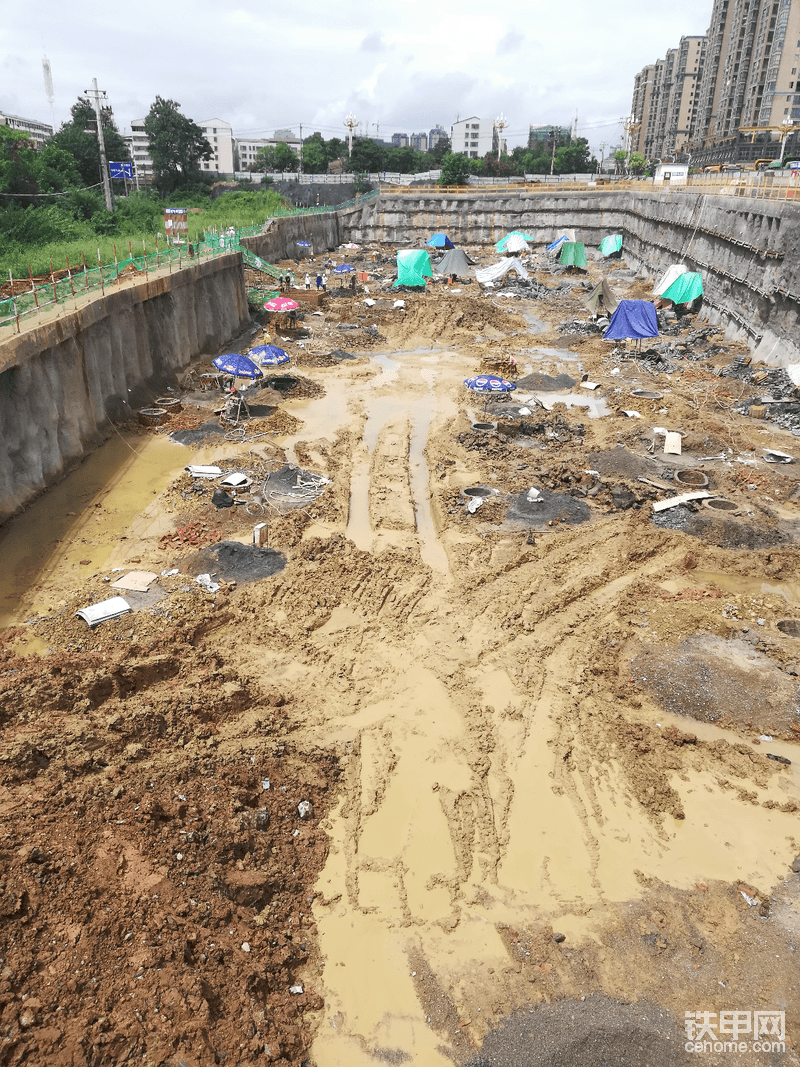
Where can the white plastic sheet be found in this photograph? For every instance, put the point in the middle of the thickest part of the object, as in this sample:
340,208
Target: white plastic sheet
500,270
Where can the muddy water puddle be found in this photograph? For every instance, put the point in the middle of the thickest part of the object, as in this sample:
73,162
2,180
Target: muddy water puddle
419,408
90,521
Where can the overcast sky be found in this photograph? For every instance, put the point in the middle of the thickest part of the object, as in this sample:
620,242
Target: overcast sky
409,65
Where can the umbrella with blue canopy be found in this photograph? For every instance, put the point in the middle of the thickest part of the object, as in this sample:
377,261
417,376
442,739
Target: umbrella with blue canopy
343,268
269,355
488,384
304,244
238,365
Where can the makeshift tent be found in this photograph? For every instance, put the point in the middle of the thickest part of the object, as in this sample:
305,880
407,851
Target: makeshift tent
601,300
568,235
633,319
513,242
573,254
671,273
440,240
413,267
684,289
500,270
611,244
453,262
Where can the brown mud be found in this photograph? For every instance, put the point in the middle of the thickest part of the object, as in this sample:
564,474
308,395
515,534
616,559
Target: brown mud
536,752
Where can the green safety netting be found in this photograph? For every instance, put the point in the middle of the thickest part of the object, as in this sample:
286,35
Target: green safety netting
413,267
573,254
611,244
684,289
501,244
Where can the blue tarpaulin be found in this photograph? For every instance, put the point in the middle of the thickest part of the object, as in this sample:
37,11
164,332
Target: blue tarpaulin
440,240
556,243
632,319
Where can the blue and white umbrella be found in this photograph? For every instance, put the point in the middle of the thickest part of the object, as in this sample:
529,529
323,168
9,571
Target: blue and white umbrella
238,365
344,268
488,383
304,244
269,355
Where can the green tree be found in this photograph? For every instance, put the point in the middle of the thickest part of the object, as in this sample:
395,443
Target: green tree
367,156
78,137
636,162
574,157
315,159
456,167
440,150
285,159
619,160
17,164
335,149
176,146
278,157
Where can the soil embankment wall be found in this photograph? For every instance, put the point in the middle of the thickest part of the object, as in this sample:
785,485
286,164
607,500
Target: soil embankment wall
64,381
746,250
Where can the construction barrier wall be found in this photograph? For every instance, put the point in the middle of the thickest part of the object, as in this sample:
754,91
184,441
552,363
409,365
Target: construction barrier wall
745,249
64,382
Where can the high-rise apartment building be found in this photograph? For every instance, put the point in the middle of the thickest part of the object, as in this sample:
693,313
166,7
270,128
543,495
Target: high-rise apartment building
437,134
743,73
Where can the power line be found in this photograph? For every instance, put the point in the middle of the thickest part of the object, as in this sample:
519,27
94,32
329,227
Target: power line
66,192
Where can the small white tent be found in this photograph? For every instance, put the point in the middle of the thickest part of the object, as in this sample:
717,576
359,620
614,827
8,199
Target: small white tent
500,270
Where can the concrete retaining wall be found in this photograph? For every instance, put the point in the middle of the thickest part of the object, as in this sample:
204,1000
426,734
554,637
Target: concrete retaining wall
746,250
324,232
62,382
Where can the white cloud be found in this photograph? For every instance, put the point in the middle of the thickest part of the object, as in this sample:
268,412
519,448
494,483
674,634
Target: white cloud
266,69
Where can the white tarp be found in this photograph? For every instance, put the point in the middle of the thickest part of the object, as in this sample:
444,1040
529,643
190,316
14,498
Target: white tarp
672,274
793,370
500,270
516,243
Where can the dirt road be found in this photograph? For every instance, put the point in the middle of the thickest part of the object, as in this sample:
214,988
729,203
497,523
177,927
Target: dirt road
531,805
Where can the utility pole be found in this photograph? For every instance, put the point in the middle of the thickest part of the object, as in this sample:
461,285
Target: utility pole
602,153
95,95
500,124
301,147
553,156
351,122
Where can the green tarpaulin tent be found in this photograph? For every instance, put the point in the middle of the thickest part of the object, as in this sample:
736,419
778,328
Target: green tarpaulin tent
610,245
684,289
413,267
573,254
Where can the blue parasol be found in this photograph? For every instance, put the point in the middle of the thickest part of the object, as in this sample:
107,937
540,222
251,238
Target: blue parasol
269,355
344,268
488,383
238,365
304,244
